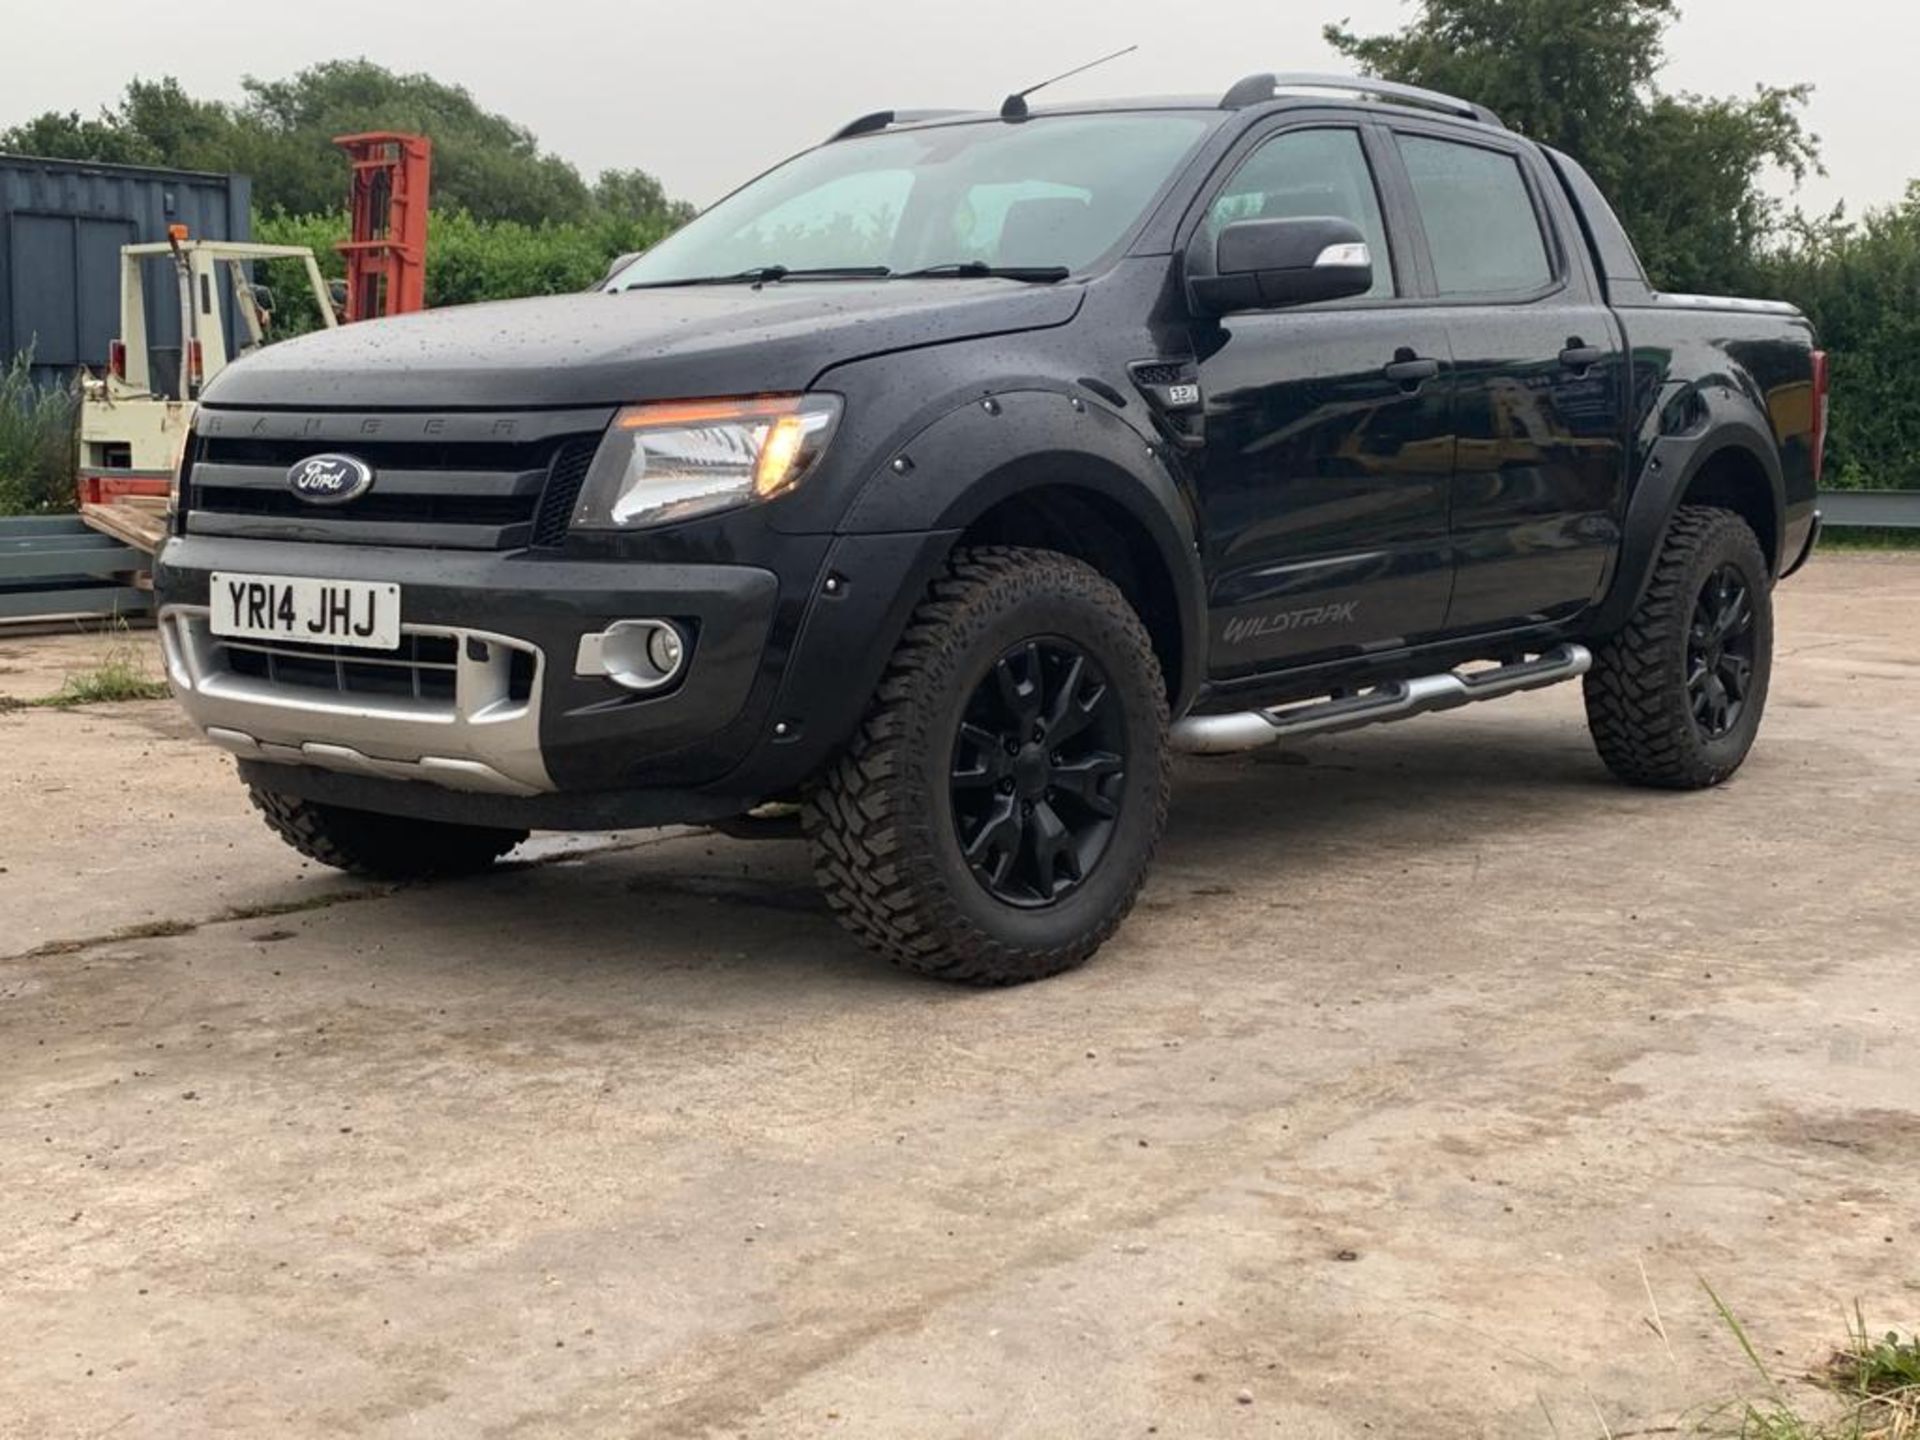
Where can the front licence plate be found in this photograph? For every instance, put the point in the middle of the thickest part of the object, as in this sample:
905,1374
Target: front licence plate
364,614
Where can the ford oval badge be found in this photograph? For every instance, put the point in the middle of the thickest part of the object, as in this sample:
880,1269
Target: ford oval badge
330,479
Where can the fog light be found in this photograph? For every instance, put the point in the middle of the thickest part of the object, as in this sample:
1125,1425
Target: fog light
639,654
664,649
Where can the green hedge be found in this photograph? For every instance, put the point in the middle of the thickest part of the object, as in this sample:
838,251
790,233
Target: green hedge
467,259
1860,284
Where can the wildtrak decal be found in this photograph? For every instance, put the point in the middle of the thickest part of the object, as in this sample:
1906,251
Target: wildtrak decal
1255,627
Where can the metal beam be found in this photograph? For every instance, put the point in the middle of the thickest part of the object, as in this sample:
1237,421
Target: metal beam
1870,509
83,599
56,565
68,557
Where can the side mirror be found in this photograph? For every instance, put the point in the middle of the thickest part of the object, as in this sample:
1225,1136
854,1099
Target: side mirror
615,266
1266,264
263,299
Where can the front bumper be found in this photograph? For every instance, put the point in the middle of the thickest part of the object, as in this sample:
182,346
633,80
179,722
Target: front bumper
782,656
515,720
479,732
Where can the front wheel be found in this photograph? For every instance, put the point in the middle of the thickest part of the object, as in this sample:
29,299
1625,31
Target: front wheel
993,819
1674,699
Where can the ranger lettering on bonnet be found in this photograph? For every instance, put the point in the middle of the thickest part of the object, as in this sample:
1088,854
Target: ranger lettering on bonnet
1122,429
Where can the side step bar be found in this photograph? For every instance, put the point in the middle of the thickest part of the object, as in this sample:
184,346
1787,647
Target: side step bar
1397,700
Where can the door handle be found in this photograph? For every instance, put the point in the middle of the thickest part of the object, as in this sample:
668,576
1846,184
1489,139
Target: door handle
1580,358
1412,371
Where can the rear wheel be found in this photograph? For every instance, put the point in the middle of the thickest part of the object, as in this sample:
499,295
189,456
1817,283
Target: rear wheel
993,818
383,847
1675,698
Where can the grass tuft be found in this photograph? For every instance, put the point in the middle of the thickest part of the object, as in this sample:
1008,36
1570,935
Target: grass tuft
1881,1375
1878,1378
120,675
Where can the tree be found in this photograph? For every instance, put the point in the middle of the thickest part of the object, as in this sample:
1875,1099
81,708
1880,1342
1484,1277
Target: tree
483,162
281,134
185,133
636,195
156,123
1684,171
65,135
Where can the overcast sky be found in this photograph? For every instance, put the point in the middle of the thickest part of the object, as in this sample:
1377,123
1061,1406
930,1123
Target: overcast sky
705,94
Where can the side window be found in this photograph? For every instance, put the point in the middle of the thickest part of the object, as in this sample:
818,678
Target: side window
1305,174
1482,230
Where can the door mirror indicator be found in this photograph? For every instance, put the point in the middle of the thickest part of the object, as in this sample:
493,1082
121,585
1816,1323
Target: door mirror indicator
1336,256
1268,264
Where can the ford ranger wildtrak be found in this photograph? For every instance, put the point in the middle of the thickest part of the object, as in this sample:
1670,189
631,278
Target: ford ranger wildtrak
948,478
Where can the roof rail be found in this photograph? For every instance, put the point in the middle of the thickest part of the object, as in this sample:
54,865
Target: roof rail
881,119
1258,88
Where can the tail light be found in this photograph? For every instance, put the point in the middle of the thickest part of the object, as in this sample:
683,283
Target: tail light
117,359
196,367
1820,407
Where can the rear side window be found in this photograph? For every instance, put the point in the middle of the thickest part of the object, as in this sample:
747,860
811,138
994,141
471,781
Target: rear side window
1482,230
1309,174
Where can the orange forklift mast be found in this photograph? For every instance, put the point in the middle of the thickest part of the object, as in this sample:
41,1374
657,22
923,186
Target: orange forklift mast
387,207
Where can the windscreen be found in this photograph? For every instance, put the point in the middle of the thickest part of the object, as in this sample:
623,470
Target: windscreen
1051,191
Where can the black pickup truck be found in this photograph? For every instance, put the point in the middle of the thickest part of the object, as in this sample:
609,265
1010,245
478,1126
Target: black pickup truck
946,479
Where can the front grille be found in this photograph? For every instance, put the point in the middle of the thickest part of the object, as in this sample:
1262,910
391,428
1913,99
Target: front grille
461,481
451,508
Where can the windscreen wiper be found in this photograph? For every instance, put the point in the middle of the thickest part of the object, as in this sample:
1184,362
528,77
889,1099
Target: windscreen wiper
765,274
971,269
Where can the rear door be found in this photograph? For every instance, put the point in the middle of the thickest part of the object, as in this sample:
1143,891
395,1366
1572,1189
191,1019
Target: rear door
1327,460
1539,384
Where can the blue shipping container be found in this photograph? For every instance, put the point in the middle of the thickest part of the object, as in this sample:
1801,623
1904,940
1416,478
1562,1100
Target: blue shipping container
62,223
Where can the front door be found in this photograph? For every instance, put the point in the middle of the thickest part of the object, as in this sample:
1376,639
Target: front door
1328,456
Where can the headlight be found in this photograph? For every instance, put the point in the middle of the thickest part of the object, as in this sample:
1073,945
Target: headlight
677,459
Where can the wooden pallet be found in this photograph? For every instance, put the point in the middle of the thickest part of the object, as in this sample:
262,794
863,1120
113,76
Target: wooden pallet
138,520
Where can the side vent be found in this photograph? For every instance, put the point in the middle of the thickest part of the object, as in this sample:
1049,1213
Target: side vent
1171,389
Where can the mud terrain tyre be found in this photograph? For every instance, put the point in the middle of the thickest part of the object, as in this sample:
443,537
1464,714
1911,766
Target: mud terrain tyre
381,847
993,818
1674,699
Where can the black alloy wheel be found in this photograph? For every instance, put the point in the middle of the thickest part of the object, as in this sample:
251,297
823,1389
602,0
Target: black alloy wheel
993,818
1676,694
1038,772
1720,651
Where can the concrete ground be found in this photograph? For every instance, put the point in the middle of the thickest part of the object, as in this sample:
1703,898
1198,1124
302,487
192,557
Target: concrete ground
1431,1078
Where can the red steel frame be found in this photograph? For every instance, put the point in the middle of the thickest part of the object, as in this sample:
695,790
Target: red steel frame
387,204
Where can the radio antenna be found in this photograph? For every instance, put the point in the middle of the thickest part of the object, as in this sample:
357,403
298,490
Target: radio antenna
1015,105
